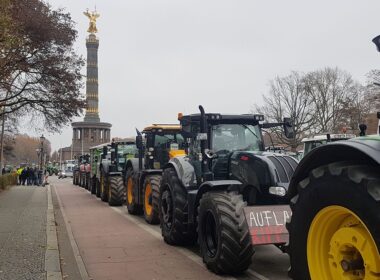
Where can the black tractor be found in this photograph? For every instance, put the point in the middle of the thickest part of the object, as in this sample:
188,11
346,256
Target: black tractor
156,145
111,170
227,192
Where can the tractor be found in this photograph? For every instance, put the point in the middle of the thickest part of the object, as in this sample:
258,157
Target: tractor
322,139
95,159
111,170
335,200
143,174
76,173
227,192
84,170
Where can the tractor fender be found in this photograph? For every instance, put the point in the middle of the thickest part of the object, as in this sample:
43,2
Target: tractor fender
104,165
184,169
133,163
361,149
194,196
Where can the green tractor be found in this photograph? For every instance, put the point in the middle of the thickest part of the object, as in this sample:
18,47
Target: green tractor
227,191
95,159
111,170
52,168
335,199
143,174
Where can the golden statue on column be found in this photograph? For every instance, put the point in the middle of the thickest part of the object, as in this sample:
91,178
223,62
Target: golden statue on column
92,16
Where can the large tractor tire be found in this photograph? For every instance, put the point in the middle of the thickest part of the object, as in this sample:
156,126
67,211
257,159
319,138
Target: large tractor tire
103,187
93,185
74,179
116,191
334,229
173,210
97,187
132,204
223,233
88,182
151,195
81,180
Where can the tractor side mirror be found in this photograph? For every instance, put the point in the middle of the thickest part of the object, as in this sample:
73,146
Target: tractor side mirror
378,115
288,128
139,142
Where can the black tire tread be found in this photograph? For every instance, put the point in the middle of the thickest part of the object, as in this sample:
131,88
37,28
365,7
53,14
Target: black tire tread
180,233
237,250
155,181
134,208
117,191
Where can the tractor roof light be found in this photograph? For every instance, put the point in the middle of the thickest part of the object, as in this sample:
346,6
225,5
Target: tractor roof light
258,118
215,116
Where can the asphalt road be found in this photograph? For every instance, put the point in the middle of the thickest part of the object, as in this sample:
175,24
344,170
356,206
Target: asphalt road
105,240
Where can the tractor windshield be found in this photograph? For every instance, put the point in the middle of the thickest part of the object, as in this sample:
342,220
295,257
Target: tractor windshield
168,141
234,137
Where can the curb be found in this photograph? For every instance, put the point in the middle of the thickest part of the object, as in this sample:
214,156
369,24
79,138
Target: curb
74,246
52,263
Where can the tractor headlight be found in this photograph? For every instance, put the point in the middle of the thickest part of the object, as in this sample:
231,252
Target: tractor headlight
279,191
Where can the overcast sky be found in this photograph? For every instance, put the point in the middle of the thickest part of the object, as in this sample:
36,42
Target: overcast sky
161,57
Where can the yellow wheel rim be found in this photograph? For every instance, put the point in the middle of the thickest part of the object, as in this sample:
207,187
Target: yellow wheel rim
148,193
129,190
340,246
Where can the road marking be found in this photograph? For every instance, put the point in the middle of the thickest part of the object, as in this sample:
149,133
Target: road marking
52,264
74,246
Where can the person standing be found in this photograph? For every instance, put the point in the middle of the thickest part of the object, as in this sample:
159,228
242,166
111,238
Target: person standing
19,175
23,176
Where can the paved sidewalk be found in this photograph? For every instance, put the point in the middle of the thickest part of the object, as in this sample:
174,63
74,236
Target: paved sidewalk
114,248
23,233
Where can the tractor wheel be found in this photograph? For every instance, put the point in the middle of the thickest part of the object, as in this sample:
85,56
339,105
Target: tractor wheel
97,182
133,207
79,179
151,196
116,191
93,185
103,187
173,207
74,182
223,233
334,229
87,181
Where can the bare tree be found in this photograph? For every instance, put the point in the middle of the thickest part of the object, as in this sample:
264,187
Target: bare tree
373,90
330,90
287,98
40,72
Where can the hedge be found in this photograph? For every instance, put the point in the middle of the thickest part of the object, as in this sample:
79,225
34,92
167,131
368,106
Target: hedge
7,180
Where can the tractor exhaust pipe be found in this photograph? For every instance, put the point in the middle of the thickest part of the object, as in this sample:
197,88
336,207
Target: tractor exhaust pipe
203,137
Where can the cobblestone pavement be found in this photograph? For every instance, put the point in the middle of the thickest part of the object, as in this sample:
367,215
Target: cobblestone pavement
23,233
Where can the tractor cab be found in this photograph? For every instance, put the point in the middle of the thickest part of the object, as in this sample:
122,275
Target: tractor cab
315,141
162,142
228,144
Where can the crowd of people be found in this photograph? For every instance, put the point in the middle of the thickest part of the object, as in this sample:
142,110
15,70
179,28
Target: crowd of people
30,176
